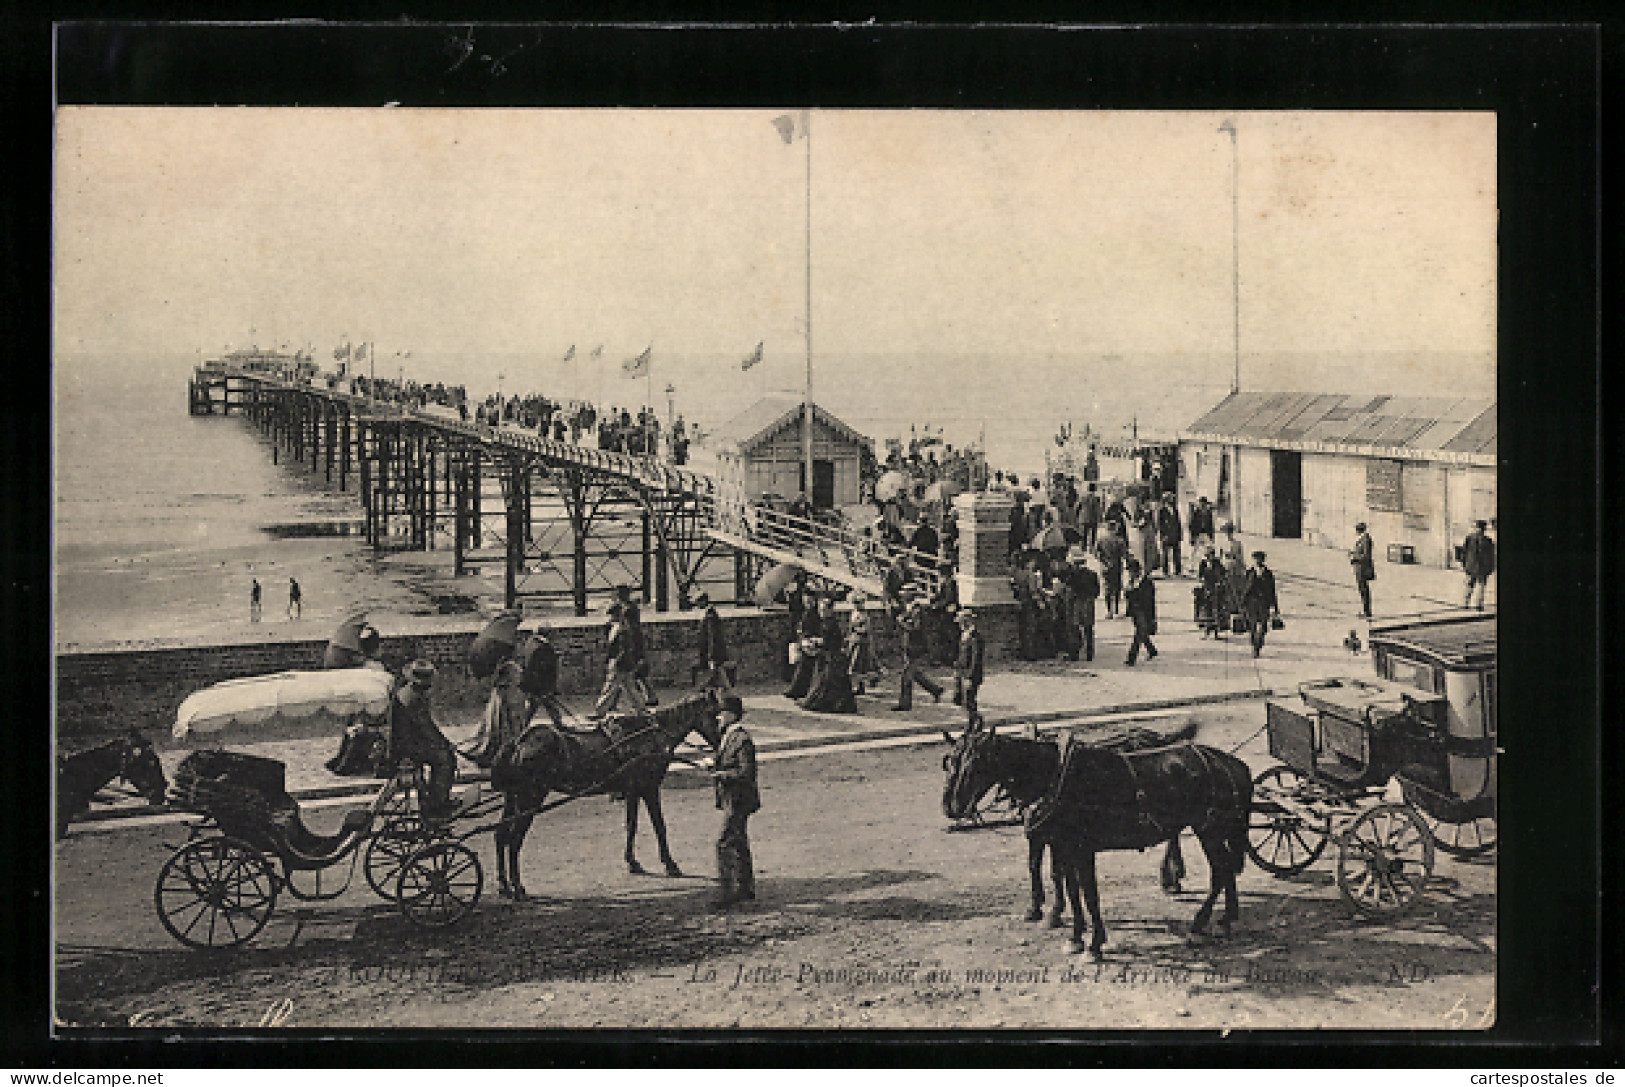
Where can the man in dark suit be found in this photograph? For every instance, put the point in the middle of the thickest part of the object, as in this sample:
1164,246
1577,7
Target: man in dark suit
1258,601
1478,560
1360,558
915,647
417,739
1140,603
738,798
1089,516
1170,531
968,665
1201,525
713,666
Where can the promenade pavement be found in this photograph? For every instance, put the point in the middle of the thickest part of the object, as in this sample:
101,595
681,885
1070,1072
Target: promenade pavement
1318,602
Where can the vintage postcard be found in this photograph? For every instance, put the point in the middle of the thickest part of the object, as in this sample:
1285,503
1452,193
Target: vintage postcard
775,568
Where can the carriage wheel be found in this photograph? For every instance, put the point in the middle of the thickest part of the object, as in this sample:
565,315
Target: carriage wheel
1281,841
397,840
440,884
215,892
1468,839
1384,861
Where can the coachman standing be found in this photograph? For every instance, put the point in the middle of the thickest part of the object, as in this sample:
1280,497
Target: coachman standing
738,798
1478,560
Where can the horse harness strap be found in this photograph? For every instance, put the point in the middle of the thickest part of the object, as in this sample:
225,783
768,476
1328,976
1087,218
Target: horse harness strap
1142,807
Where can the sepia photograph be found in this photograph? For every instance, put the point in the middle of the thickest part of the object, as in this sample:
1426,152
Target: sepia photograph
776,567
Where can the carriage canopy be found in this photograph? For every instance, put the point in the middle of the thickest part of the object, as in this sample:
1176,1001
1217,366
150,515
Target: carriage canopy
258,702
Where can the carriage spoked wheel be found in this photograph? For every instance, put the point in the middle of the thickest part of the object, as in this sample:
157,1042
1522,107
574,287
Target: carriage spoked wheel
1279,840
399,837
440,884
215,892
1384,861
1465,839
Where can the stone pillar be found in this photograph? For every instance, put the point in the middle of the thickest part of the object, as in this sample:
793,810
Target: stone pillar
984,549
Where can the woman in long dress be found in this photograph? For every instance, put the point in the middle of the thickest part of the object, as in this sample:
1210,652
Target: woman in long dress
1235,569
506,715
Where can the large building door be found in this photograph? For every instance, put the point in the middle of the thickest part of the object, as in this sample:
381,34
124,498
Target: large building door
1286,486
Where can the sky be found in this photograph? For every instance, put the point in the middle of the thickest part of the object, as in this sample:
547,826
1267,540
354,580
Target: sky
933,235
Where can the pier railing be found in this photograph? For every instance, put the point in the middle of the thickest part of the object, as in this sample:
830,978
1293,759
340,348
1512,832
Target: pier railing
835,552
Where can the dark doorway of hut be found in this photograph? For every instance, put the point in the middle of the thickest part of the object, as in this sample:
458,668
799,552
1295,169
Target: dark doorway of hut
823,488
1286,470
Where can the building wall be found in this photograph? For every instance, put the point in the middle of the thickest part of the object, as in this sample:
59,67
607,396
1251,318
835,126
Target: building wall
100,692
1437,507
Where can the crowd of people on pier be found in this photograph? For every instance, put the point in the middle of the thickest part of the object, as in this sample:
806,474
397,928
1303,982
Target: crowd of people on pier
614,429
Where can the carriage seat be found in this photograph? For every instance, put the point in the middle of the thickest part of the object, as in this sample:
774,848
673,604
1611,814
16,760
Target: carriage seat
303,847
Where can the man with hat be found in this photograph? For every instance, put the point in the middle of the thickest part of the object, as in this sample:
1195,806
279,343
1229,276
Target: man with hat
1478,560
734,774
915,648
714,661
968,665
621,674
1258,601
1364,569
417,739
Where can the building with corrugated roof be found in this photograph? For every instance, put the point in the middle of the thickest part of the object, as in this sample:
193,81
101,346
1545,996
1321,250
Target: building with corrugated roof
1417,470
759,453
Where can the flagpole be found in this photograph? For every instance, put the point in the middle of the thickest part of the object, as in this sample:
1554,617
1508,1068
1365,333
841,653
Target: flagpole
807,401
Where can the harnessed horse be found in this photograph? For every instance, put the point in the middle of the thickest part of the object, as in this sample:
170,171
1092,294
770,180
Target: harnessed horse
629,760
79,776
1095,799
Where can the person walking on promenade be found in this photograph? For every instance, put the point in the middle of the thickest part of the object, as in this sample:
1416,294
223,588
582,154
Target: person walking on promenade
1212,595
831,687
1089,511
1171,531
633,618
254,594
809,645
738,798
296,599
915,648
1086,586
861,665
417,739
1112,552
1478,560
968,667
1201,525
714,663
1140,601
621,676
1365,571
1234,557
1258,601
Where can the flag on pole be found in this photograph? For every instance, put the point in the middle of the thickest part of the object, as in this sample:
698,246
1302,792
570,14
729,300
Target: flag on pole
792,126
639,366
598,351
754,358
341,352
570,354
360,354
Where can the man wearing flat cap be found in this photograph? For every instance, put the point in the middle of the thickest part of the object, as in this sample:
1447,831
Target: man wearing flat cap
417,739
1364,570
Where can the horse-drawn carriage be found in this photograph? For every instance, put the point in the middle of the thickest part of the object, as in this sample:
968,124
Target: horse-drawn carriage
252,844
1426,721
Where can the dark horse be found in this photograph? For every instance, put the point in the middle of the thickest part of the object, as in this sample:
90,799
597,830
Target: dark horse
626,756
81,775
1096,799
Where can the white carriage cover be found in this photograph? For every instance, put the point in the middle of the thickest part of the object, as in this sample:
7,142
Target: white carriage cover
284,697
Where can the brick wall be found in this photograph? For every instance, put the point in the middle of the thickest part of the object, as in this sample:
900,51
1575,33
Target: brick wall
107,690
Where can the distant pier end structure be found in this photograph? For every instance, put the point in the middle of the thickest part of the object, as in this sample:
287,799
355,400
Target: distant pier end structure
1418,470
562,523
218,386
